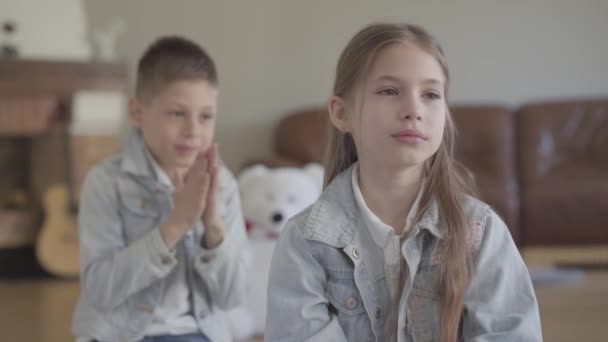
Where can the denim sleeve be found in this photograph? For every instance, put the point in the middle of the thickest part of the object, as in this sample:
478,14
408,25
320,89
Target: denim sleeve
500,304
297,306
225,268
110,270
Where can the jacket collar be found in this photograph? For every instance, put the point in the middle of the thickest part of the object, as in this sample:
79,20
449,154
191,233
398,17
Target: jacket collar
134,157
335,219
138,161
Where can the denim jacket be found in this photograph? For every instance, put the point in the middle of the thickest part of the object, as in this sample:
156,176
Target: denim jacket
327,282
124,259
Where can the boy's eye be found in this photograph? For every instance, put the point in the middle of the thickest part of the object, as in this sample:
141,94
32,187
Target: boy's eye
206,116
176,113
388,91
431,95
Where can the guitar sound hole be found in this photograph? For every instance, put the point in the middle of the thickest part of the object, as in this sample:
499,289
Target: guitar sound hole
73,208
69,237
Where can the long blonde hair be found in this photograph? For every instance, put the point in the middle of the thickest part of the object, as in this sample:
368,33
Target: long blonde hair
446,182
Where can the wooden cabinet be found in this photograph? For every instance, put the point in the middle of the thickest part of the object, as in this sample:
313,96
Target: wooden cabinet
35,113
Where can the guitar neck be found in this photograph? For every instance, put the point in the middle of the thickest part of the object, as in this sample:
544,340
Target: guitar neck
85,152
69,171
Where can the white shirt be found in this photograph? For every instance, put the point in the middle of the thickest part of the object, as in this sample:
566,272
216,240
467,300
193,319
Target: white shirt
174,313
384,236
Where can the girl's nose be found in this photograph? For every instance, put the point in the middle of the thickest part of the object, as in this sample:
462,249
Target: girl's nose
411,116
411,108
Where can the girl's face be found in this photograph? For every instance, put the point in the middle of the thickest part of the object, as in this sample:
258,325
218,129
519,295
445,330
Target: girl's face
398,117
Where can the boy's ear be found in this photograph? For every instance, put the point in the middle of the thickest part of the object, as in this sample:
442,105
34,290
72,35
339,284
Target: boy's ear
337,114
135,111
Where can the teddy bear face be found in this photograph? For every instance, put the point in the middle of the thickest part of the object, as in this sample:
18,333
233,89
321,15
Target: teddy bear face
271,196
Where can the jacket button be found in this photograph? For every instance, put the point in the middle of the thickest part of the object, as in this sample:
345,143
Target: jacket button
165,259
377,313
145,308
355,253
206,258
351,303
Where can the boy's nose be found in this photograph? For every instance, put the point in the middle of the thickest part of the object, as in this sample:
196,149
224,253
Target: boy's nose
192,128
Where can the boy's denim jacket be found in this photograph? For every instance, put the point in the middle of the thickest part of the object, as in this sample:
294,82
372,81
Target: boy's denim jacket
327,281
124,259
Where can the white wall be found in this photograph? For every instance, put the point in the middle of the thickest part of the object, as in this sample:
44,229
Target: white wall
46,30
278,55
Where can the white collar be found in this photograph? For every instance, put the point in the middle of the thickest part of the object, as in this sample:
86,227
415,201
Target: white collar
379,230
161,175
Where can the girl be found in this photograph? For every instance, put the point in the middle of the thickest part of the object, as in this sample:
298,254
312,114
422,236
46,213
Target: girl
395,248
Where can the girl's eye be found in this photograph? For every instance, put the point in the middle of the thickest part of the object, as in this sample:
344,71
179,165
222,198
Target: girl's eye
432,95
176,113
388,92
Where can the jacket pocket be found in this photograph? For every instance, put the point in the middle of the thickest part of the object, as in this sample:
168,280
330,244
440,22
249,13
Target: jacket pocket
424,305
426,282
346,303
133,316
344,296
141,212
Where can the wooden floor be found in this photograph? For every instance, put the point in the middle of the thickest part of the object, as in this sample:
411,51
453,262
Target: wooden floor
578,313
37,310
42,310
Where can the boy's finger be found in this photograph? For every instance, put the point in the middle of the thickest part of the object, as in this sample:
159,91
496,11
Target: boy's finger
212,156
194,171
198,164
214,179
204,185
217,156
179,182
204,163
213,184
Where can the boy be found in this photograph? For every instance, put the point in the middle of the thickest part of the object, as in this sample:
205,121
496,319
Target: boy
162,238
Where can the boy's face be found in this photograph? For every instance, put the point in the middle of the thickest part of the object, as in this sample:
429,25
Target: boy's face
178,122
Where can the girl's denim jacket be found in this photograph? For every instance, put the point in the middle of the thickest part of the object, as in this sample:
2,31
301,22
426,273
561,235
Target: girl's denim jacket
327,281
124,259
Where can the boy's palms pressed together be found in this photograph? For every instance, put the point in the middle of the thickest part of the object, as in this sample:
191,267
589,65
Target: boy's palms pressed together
195,198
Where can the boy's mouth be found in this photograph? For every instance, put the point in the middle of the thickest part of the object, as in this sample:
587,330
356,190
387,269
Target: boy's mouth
185,149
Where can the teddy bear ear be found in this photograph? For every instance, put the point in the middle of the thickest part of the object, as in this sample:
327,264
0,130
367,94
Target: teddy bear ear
250,173
315,171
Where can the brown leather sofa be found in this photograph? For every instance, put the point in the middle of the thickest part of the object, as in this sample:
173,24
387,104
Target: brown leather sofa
486,146
542,167
299,138
563,172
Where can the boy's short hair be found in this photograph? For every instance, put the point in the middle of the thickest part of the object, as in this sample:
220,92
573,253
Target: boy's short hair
171,59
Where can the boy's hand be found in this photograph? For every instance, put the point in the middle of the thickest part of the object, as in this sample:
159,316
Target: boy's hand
190,200
214,227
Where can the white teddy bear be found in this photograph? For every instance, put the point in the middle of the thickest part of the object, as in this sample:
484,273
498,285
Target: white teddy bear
269,198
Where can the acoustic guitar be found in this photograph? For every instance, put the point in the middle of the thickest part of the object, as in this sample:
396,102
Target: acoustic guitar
57,245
